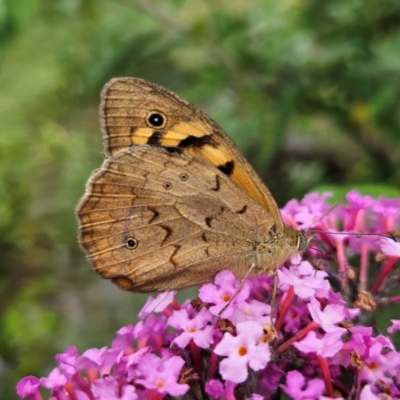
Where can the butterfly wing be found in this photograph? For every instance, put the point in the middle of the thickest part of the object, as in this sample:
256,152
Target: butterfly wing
136,112
154,220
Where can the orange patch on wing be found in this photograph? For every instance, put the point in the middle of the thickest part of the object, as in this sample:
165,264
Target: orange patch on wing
141,135
193,129
215,155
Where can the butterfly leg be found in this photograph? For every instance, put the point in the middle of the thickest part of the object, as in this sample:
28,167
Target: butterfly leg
273,298
239,288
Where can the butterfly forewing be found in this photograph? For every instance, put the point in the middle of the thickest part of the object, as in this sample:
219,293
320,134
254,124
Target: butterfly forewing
137,112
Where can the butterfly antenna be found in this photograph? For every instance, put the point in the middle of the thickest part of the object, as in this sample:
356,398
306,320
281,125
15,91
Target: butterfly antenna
385,235
324,215
389,236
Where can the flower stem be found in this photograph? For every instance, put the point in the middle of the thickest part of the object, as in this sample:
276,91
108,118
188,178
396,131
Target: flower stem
363,267
284,308
298,336
154,395
196,356
387,268
326,375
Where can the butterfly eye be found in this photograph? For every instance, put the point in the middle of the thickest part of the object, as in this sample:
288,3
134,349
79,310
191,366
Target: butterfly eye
184,177
156,119
167,185
131,243
302,243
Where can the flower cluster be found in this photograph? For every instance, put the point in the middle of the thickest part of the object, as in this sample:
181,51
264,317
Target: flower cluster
314,342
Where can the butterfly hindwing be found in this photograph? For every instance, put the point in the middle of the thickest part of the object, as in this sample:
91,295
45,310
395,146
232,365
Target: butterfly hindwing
151,217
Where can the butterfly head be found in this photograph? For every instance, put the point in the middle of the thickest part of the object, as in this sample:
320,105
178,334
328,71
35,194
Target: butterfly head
278,245
298,240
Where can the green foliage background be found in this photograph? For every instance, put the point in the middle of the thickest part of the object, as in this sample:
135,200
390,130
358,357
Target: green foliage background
309,90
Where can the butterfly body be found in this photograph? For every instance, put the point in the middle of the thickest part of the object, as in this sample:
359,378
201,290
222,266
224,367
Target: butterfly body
174,201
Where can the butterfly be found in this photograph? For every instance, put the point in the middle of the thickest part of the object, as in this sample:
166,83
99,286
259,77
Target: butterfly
175,201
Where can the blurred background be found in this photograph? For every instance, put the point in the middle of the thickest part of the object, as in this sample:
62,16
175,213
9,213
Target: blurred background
309,90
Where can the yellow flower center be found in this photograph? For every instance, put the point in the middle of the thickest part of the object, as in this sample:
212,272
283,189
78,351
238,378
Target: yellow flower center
226,297
242,351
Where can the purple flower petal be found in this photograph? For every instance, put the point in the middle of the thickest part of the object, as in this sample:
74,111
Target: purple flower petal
297,388
390,247
158,304
28,387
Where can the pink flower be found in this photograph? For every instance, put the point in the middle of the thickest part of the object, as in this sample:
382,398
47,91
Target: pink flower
195,328
395,325
152,331
305,213
124,338
368,394
243,350
272,376
108,389
357,201
28,388
305,280
327,318
158,304
379,364
252,310
101,360
55,379
387,208
390,247
162,374
325,346
297,387
222,291
294,317
217,389
256,396
127,367
67,360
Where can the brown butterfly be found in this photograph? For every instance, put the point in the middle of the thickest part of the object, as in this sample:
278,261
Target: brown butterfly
175,201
